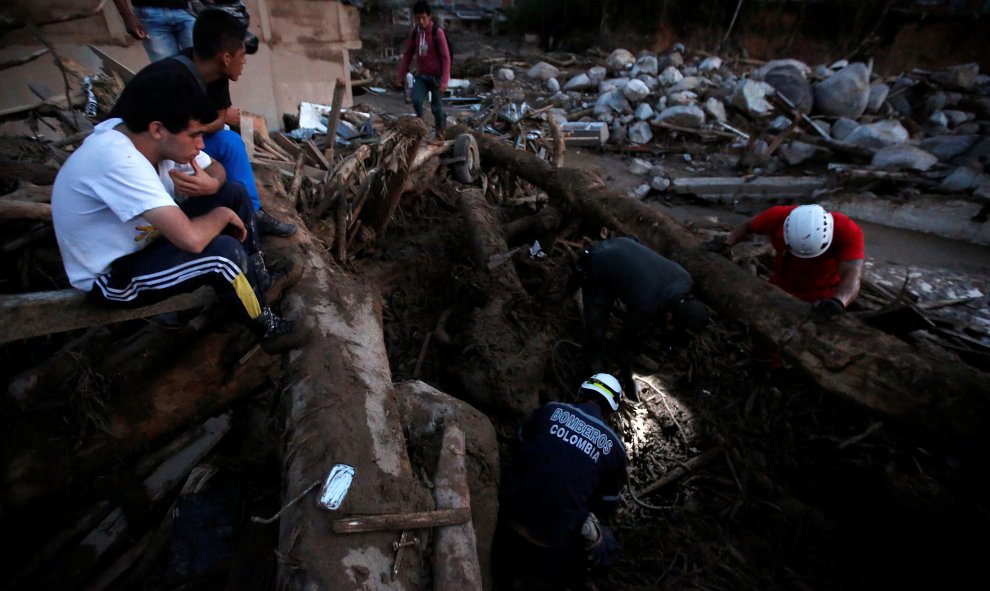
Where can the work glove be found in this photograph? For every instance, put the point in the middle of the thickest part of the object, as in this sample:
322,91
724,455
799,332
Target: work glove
825,310
718,246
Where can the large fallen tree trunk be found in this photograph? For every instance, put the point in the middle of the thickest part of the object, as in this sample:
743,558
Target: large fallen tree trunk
341,409
505,350
846,357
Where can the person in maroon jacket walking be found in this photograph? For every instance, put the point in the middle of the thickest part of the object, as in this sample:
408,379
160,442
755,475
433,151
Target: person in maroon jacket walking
428,42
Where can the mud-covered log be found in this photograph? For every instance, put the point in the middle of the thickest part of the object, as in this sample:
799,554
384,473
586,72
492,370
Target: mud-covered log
425,411
846,357
43,454
340,408
506,352
455,557
25,210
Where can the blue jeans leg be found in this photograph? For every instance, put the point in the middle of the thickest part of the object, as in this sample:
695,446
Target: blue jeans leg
169,30
428,84
228,149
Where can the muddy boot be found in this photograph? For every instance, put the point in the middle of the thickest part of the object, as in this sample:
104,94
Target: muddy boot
279,272
268,225
276,334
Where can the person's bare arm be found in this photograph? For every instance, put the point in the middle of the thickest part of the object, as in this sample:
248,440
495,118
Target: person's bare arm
739,232
131,22
232,116
200,182
193,234
850,277
218,123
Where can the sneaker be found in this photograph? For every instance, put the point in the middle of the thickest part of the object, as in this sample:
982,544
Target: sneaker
276,334
266,224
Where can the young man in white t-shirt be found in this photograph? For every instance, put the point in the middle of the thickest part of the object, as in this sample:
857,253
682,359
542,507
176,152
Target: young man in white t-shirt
126,242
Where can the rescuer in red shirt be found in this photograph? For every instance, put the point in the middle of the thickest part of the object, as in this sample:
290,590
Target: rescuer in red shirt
819,255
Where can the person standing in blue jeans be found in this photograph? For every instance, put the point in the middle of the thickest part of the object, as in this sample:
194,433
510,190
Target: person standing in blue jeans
428,42
165,27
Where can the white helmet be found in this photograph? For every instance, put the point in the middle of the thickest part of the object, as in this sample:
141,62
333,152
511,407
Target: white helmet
808,231
606,385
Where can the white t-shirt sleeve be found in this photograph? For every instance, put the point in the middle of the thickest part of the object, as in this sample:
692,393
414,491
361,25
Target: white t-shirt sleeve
134,186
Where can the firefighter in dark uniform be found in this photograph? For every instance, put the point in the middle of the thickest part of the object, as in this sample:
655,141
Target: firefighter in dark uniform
654,290
567,469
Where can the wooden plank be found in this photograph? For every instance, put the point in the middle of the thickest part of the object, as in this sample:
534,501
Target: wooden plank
400,521
315,155
288,145
111,65
29,315
247,135
289,167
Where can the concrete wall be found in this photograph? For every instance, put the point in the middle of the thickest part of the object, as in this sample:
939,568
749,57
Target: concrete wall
305,48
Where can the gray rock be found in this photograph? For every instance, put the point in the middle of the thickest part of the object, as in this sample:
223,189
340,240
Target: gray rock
686,83
658,170
640,191
791,82
947,147
640,133
639,167
561,99
543,71
878,135
552,85
963,179
710,64
617,133
962,77
651,82
900,104
505,74
682,98
684,116
750,98
977,156
780,123
659,183
597,74
821,72
613,84
838,65
661,104
755,154
619,60
670,76
969,128
935,101
612,102
957,118
842,127
716,109
878,94
939,119
647,64
845,93
903,157
635,90
644,112
802,67
580,82
797,152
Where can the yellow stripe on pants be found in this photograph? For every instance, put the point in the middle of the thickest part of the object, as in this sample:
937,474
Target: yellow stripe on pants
246,293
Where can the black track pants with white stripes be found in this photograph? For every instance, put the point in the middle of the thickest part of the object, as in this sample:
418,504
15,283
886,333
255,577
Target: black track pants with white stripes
162,270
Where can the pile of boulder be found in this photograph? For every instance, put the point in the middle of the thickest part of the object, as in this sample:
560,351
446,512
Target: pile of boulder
935,123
